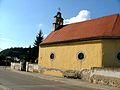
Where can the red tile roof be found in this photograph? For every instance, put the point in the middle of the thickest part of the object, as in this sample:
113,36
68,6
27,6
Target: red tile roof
108,26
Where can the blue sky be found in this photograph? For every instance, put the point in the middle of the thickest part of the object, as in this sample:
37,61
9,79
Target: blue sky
20,20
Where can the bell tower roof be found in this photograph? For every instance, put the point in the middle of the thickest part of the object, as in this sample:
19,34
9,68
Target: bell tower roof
58,21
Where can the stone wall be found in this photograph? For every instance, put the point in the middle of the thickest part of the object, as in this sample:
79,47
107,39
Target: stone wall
111,72
107,76
106,80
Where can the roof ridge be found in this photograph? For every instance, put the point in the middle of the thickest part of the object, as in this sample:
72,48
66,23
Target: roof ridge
115,22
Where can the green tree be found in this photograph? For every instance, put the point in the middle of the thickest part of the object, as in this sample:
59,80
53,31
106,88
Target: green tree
35,49
39,39
2,57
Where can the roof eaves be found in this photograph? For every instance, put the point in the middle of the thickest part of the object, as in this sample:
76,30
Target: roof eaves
84,39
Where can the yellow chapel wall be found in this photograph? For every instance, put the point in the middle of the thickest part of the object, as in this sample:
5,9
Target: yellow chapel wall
110,51
66,55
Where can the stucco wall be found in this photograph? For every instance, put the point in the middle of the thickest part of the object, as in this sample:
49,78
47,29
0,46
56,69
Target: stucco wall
110,50
66,55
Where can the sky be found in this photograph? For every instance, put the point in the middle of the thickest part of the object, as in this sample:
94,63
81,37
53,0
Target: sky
21,20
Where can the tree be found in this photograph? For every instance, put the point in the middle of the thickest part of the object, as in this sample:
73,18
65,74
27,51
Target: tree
35,49
2,57
39,39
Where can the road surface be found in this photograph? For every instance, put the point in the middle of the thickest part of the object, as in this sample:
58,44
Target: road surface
17,81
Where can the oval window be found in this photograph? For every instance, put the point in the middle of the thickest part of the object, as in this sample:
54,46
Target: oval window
52,56
80,56
118,56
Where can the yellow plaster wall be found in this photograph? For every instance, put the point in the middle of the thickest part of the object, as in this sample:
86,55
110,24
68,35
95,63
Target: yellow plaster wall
110,50
66,55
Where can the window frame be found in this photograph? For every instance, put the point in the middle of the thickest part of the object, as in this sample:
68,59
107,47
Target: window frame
50,56
82,58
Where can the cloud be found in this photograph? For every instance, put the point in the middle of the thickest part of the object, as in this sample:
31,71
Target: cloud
38,28
83,15
40,25
6,39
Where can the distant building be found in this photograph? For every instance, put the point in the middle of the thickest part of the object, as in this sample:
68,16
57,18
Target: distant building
92,43
16,59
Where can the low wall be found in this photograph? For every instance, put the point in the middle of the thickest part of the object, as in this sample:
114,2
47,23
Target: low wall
36,68
107,76
43,70
32,67
15,66
29,67
110,72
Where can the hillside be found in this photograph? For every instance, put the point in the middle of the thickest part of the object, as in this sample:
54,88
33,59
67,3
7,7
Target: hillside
20,52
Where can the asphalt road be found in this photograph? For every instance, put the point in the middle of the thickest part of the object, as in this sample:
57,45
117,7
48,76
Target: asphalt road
17,81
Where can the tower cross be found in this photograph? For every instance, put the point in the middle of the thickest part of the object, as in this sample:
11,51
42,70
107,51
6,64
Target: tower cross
59,9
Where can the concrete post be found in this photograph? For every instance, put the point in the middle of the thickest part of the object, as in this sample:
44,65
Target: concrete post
27,66
20,66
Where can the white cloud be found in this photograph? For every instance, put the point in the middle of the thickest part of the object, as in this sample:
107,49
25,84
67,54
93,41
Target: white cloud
40,25
38,28
83,15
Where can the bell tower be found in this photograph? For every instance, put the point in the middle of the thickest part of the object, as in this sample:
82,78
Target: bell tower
58,21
